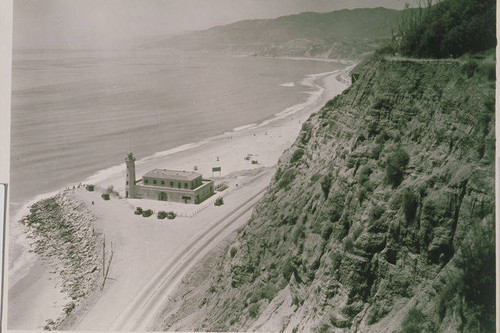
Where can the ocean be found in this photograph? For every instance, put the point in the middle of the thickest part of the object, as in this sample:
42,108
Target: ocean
76,113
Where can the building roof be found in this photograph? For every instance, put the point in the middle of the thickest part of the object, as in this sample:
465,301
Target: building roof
172,174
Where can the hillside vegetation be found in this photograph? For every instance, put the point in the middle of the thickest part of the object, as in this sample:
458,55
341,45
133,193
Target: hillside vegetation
339,34
449,28
380,216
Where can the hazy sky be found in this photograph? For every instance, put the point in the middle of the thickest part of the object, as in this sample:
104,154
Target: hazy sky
120,23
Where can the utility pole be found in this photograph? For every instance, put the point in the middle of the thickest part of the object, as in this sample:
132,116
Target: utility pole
103,255
107,269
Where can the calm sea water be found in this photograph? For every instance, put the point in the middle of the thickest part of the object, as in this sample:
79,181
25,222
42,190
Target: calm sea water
75,113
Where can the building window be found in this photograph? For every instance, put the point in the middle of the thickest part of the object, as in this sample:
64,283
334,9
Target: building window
179,185
127,182
145,181
154,181
171,184
163,182
185,185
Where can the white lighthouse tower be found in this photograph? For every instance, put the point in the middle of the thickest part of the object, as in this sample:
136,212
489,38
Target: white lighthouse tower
130,190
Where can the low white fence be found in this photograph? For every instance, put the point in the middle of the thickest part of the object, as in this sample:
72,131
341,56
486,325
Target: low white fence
209,202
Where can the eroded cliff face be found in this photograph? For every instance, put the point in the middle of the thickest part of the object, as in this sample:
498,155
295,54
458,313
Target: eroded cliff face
380,216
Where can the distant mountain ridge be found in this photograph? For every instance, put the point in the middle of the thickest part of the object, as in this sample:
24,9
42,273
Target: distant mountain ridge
338,34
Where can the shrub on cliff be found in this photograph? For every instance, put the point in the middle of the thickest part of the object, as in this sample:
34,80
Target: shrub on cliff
395,167
364,174
315,177
375,154
362,194
297,155
416,321
253,310
326,182
376,213
288,269
267,292
69,308
286,179
327,231
278,175
306,133
410,205
299,233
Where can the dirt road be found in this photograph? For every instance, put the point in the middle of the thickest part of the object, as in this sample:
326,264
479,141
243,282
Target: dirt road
152,256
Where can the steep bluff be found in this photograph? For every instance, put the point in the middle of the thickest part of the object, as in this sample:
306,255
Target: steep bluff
380,217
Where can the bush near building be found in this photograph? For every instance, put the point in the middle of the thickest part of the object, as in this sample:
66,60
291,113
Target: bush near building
147,213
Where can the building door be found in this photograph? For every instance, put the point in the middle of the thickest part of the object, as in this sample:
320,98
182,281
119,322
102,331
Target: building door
162,196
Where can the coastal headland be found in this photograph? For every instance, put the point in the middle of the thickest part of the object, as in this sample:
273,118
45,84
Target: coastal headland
137,249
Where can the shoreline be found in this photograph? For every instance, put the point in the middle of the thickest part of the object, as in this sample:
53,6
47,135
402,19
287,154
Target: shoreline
283,127
100,175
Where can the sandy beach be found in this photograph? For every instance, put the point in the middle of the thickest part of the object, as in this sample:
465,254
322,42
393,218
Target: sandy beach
246,156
